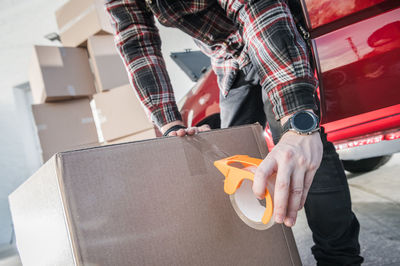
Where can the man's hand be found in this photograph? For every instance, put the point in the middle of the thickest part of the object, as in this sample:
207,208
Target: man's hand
294,160
183,132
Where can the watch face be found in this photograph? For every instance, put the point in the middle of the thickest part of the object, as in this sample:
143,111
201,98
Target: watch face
303,121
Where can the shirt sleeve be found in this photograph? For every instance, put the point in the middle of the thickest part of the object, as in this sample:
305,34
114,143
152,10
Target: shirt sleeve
138,42
280,55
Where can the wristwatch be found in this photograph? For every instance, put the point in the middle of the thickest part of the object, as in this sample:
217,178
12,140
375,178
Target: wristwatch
302,122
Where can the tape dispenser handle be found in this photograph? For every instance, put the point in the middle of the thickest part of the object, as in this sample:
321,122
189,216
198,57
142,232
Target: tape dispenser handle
234,177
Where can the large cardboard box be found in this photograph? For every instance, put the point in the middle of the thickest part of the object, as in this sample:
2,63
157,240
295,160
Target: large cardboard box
64,126
118,113
154,202
77,20
60,73
108,68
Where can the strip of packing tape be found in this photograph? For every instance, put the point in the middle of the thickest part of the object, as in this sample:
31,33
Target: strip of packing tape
87,120
249,209
97,120
71,90
84,13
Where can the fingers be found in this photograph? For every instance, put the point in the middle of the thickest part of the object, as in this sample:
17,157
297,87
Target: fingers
204,127
282,191
309,177
172,134
180,133
192,130
295,196
295,159
263,171
189,131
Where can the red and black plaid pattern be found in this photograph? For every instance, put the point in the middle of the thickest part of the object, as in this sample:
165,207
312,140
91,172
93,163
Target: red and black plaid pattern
280,55
233,33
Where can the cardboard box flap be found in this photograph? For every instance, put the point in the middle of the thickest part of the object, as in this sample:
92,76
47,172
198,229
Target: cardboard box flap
161,202
72,11
77,20
45,229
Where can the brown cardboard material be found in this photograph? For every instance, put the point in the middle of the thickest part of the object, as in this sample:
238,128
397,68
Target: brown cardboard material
60,73
64,126
77,20
147,134
118,113
154,202
108,68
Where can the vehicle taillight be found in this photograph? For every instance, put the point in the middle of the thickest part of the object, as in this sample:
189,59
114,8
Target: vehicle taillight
368,140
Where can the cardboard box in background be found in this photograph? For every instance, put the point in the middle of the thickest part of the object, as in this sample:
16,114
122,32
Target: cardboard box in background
118,113
147,134
60,73
77,20
155,202
108,68
64,126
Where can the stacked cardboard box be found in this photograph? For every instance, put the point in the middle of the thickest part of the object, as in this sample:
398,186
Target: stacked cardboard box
64,126
61,82
64,79
119,116
108,68
77,20
60,73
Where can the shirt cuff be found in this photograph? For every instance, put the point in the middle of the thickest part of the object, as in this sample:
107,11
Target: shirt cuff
292,97
167,113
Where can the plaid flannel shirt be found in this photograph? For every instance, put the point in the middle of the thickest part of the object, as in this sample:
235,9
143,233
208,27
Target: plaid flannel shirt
233,33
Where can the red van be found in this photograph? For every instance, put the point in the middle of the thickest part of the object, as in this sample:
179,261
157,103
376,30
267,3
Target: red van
356,48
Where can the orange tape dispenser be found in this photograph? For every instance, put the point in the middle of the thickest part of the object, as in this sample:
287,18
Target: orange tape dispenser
238,183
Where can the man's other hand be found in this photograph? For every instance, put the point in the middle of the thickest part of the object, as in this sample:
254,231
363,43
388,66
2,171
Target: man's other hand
183,131
294,160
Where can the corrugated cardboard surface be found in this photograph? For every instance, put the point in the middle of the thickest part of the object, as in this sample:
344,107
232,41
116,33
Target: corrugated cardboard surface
147,134
64,126
77,20
107,65
47,154
157,202
36,79
38,214
59,73
119,113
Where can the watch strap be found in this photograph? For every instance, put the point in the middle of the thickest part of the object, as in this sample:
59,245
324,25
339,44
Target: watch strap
286,126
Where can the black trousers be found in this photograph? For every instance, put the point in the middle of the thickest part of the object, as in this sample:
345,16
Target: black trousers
334,226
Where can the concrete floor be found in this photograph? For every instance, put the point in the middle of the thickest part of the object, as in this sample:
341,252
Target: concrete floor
376,202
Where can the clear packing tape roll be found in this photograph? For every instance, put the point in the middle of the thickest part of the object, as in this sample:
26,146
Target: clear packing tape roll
238,184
